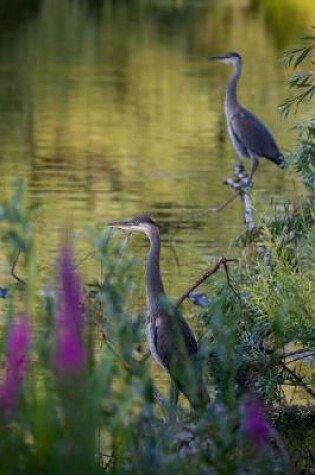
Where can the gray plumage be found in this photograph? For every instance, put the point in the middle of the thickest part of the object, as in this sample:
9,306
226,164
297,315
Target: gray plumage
250,137
170,339
198,298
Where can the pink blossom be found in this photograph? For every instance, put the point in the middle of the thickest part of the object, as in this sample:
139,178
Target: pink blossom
69,348
17,348
254,424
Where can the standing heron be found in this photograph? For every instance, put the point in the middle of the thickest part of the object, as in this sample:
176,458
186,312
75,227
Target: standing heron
171,341
250,137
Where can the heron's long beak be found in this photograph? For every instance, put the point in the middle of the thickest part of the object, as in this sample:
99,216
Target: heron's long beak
218,57
120,225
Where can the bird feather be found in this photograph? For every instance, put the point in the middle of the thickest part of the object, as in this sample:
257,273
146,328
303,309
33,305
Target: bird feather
254,135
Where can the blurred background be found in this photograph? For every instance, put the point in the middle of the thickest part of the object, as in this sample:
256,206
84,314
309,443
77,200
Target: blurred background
109,108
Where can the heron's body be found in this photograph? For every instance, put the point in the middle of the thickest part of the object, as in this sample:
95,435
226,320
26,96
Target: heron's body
249,136
170,340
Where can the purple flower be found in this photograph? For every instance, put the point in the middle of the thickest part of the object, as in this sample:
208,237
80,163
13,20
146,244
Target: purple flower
254,424
17,348
69,348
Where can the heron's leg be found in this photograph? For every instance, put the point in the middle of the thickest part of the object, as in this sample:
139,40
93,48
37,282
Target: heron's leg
238,162
255,163
174,393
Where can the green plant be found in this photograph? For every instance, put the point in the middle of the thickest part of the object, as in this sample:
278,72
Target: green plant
302,81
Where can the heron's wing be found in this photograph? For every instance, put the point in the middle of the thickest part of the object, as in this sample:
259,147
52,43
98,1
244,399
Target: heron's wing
253,134
177,347
188,336
173,339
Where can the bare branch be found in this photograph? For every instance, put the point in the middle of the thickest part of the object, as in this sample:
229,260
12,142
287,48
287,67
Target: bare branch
13,273
229,281
85,258
301,351
218,208
301,357
298,379
222,261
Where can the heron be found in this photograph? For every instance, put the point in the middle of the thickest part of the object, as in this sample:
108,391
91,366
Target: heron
249,136
171,341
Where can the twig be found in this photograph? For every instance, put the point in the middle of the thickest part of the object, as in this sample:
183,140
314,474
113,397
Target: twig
86,257
310,352
298,380
301,357
229,281
222,261
13,273
218,208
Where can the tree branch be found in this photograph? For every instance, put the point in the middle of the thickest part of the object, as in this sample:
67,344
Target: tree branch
221,262
298,379
298,355
307,351
219,208
13,273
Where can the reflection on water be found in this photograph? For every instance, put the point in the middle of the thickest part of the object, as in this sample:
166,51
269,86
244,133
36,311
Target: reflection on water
110,109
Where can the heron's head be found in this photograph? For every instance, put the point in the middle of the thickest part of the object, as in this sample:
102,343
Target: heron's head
228,58
144,224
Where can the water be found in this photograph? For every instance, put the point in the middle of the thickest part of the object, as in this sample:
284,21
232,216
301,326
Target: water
110,109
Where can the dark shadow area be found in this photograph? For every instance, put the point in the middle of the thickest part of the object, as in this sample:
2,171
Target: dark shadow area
169,17
15,13
92,8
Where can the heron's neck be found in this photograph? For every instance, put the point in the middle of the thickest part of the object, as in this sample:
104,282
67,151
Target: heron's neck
231,102
154,285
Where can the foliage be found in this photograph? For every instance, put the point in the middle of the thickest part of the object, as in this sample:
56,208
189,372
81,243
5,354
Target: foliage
85,402
304,155
303,81
77,395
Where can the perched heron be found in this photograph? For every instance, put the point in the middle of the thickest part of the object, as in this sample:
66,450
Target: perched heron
250,137
171,341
